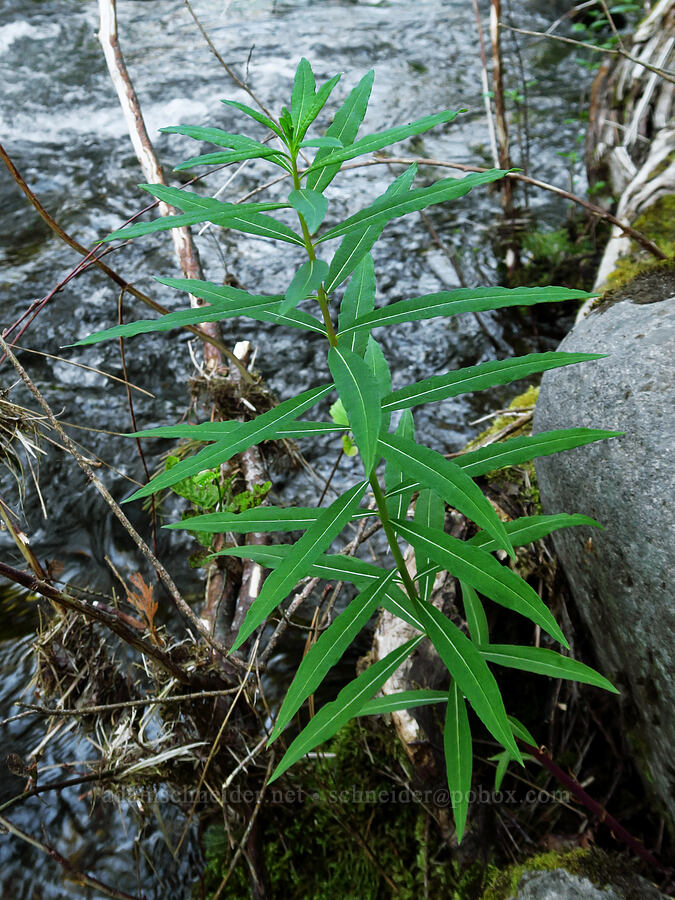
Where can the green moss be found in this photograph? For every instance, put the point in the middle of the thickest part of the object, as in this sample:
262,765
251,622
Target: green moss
658,224
597,866
346,829
521,478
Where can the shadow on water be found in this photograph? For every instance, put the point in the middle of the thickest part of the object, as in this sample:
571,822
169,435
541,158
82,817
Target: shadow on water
62,126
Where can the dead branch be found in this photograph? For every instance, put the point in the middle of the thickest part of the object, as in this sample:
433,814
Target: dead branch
609,51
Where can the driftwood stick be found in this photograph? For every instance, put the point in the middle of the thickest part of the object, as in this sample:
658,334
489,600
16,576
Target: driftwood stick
184,246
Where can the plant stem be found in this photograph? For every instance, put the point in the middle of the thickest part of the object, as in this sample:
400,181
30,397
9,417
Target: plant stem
309,247
391,537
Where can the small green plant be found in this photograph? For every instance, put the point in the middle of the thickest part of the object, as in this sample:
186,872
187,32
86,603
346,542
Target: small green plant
366,403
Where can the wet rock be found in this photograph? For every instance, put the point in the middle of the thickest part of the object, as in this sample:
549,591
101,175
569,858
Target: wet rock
562,885
622,578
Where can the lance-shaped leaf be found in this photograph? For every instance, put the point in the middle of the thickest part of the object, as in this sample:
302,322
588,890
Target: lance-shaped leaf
328,649
327,566
478,378
221,138
379,213
482,572
311,205
331,717
258,116
452,303
216,431
322,143
520,731
448,480
358,390
475,615
302,98
531,528
246,435
394,478
458,756
358,241
236,217
544,662
303,553
227,157
379,706
375,358
522,449
306,281
429,511
188,201
261,518
344,127
372,142
315,108
359,299
468,668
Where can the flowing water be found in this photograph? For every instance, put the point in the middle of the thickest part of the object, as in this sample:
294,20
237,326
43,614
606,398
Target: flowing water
61,124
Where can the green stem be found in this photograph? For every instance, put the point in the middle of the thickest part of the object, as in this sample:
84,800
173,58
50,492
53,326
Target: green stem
309,247
391,537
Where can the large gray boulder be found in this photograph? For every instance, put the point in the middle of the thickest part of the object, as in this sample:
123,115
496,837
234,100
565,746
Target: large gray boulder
623,578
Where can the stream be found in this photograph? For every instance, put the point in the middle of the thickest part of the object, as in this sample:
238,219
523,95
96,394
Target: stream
61,124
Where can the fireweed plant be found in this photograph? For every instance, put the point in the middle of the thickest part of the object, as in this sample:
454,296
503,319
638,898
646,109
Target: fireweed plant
362,381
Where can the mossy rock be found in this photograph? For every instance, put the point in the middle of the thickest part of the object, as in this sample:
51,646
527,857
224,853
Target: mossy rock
658,224
601,869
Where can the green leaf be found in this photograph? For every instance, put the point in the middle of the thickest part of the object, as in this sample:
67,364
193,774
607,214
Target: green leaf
478,378
302,98
470,671
246,435
448,480
375,358
303,553
503,760
191,202
344,127
397,505
311,204
322,142
357,242
254,114
373,142
402,700
216,431
458,756
236,216
522,449
521,731
482,572
328,649
305,282
232,156
393,207
475,615
429,511
331,717
182,318
359,299
220,137
532,528
544,662
452,303
261,518
357,388
317,105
